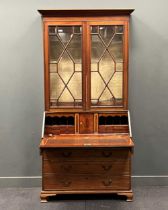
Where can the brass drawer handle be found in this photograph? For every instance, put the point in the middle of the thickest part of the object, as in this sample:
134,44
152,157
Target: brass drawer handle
106,168
66,183
66,154
107,182
67,167
107,153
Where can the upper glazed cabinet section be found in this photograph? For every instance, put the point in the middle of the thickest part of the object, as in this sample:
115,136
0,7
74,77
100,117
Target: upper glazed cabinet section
86,59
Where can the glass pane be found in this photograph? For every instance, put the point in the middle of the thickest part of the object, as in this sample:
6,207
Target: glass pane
94,66
119,66
56,86
66,96
97,49
116,47
55,49
106,32
65,33
53,67
107,65
98,84
65,55
116,85
94,29
77,29
106,97
52,30
65,67
119,29
74,48
78,67
74,85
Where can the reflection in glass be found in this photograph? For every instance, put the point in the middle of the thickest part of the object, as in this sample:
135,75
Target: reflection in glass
106,32
65,33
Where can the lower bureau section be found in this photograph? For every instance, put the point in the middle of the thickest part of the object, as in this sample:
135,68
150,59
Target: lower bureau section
86,170
84,182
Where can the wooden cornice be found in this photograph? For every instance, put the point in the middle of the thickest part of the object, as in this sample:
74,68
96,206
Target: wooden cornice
84,12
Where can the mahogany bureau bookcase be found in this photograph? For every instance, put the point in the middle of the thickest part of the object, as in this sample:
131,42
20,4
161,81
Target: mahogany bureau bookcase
86,144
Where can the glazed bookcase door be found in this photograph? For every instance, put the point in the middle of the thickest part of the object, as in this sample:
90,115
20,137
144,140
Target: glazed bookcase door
64,70
86,65
108,70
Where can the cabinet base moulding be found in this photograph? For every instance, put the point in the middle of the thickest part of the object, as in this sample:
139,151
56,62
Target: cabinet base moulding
46,194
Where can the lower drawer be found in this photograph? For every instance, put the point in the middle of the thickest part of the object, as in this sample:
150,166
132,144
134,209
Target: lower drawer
85,182
86,154
115,167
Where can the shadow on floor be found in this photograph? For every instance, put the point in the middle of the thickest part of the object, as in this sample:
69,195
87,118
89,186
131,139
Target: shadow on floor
87,197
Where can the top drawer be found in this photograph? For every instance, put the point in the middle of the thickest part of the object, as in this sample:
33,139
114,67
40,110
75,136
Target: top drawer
69,154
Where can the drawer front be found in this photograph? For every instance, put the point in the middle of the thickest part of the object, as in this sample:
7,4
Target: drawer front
84,182
114,168
86,154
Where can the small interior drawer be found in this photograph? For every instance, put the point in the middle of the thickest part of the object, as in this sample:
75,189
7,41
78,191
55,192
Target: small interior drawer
60,124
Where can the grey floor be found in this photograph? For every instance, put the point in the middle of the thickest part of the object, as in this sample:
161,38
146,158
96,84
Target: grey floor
145,198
